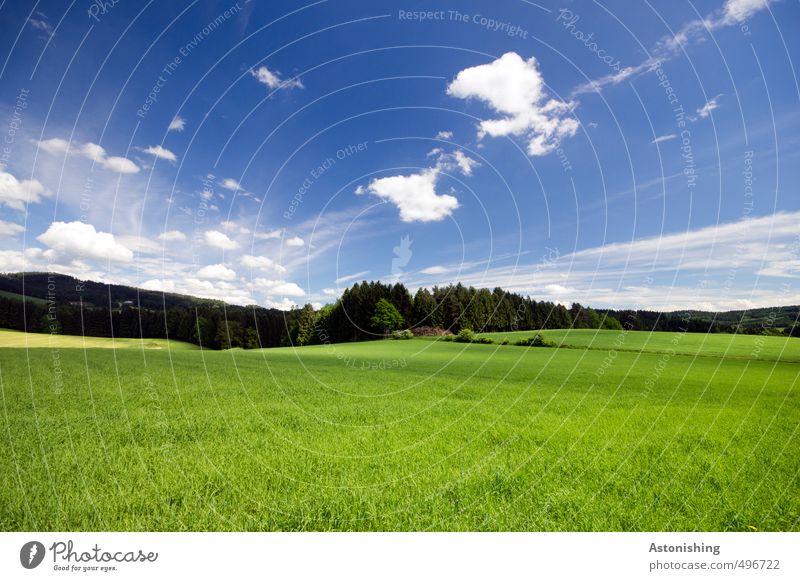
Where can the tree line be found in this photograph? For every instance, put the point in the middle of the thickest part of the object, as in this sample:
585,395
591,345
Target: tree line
365,311
361,313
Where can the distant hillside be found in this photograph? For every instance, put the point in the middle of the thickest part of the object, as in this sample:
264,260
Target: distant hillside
38,302
769,321
66,289
56,303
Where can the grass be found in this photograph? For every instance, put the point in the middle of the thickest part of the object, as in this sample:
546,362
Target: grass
55,341
399,435
757,347
19,297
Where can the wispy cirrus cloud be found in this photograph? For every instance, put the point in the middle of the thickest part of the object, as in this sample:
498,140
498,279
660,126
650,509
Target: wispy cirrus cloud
755,254
733,12
662,138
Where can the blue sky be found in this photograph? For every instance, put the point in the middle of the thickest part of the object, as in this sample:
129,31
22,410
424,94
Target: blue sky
615,153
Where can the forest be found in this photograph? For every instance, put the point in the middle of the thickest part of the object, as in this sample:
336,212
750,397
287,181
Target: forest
56,303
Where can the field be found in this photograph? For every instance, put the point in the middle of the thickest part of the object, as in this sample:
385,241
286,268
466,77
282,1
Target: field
54,341
695,344
663,432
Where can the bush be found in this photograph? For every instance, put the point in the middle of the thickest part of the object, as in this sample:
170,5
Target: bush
449,337
504,342
484,340
465,336
535,341
404,334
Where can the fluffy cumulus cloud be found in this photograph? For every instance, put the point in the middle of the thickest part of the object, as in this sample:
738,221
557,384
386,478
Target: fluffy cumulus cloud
10,228
216,272
278,287
221,240
178,123
233,227
15,193
160,152
92,151
415,195
274,80
77,240
218,289
515,89
172,236
285,304
261,263
231,184
295,242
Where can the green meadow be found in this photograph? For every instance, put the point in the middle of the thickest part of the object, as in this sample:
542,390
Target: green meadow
610,431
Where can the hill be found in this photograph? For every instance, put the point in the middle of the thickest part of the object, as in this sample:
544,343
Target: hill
67,289
57,303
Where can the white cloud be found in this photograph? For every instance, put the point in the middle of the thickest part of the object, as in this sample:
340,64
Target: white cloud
736,11
140,244
278,287
295,242
732,12
217,290
160,152
42,24
349,277
285,304
270,235
435,270
465,163
231,226
714,268
514,88
261,263
330,292
10,228
172,236
92,151
706,109
16,193
158,285
217,271
414,195
119,165
177,124
231,184
220,240
663,138
54,146
273,80
445,135
80,240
